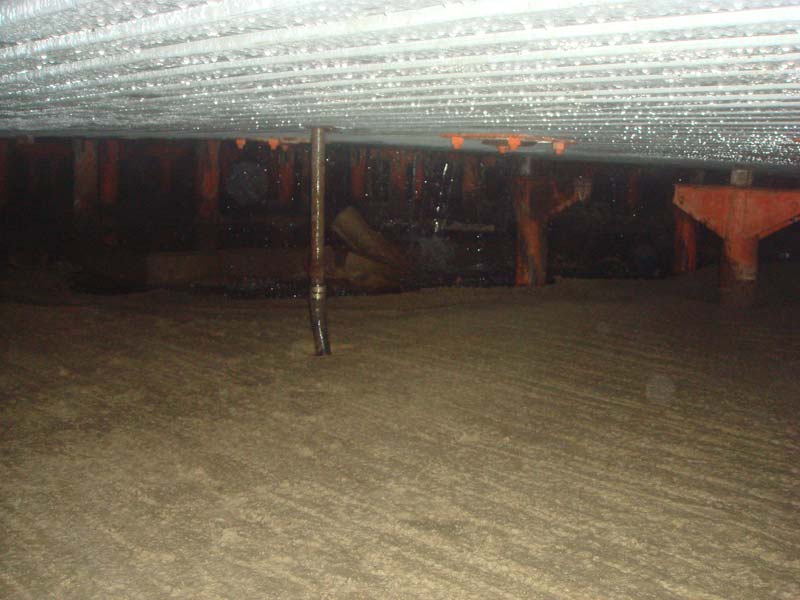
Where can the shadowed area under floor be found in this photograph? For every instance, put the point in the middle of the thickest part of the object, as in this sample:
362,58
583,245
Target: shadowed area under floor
593,439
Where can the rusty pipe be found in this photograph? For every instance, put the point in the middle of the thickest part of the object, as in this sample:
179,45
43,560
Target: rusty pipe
316,299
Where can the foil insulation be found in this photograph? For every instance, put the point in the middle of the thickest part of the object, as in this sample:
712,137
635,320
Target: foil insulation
676,80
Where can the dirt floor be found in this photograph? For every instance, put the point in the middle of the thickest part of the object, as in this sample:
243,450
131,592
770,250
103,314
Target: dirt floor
591,440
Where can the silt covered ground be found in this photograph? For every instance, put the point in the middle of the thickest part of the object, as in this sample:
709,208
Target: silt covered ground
590,440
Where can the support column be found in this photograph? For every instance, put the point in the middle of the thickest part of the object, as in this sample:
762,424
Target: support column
533,216
738,269
685,242
470,185
531,255
286,177
685,246
85,188
398,173
419,176
316,270
358,174
208,176
531,241
109,191
109,172
167,155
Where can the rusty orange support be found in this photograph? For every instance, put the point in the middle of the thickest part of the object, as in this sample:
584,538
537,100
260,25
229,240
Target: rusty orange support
397,172
506,142
166,154
286,177
740,216
536,200
738,271
471,177
109,172
85,191
531,245
685,242
398,176
358,174
208,177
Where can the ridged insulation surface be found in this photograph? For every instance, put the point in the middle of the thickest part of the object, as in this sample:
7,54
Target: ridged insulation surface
678,80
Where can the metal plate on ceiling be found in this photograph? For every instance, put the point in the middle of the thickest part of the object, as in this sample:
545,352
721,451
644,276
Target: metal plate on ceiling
677,80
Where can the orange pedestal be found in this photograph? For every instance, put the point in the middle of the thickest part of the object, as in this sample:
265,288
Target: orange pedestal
741,217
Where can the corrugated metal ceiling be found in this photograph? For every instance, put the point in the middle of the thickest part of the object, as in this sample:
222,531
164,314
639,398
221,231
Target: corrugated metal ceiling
676,80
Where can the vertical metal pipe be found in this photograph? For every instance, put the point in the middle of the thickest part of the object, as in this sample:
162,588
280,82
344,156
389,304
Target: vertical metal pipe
316,270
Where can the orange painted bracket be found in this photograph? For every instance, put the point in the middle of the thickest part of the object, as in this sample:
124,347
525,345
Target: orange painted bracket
507,142
738,213
457,141
280,141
